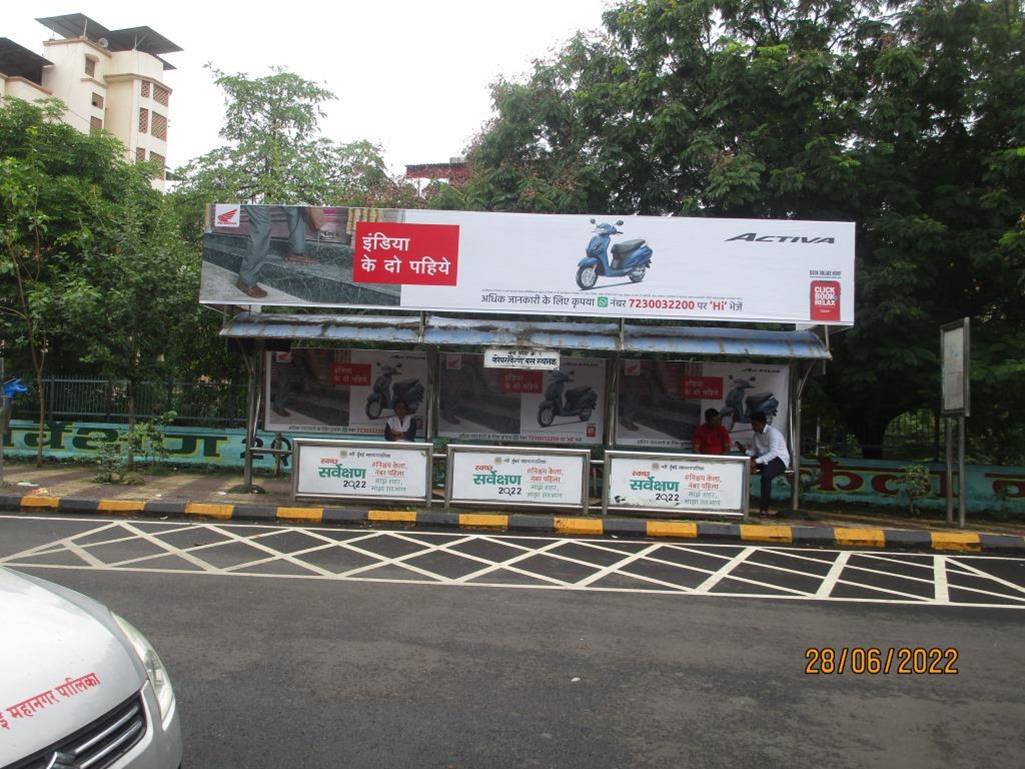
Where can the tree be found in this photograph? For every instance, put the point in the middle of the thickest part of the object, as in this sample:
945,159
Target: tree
907,118
58,189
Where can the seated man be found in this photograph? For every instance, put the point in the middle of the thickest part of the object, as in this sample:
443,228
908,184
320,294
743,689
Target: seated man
711,437
402,426
769,456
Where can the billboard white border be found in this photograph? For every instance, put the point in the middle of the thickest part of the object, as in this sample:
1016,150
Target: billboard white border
424,448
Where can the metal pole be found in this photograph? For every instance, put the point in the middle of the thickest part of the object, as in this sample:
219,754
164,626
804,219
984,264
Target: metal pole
251,416
795,447
962,478
949,430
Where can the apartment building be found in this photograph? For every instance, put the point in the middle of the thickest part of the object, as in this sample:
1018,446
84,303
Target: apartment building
109,79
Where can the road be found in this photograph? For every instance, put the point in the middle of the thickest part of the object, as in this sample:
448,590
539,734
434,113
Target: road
319,647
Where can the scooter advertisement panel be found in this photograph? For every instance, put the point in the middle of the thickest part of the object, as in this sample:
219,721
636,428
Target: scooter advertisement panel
661,403
351,392
722,270
565,406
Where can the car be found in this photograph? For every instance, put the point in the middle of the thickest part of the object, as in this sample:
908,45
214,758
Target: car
80,687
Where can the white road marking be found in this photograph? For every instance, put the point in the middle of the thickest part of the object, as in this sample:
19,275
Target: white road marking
541,574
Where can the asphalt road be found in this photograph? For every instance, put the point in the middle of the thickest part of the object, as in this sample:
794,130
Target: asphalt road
285,671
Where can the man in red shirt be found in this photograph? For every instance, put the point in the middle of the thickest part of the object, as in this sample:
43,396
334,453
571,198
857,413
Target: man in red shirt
711,437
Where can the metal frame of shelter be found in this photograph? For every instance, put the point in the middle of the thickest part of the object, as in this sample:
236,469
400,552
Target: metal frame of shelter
255,333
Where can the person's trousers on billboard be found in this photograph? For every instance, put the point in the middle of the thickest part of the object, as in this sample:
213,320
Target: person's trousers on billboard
259,229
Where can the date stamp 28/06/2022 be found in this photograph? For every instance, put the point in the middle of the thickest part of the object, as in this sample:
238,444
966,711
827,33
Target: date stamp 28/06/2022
873,660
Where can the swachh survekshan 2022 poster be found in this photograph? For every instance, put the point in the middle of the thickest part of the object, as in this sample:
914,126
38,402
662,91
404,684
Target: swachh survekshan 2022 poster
739,270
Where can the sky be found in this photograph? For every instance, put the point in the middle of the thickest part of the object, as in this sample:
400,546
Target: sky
411,76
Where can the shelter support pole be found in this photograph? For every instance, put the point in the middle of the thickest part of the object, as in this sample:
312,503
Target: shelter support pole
949,429
797,389
962,477
252,413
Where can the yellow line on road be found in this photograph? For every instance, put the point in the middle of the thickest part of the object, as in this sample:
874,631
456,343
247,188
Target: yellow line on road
120,506
50,502
579,526
392,516
759,533
301,513
671,529
859,537
963,541
209,510
484,520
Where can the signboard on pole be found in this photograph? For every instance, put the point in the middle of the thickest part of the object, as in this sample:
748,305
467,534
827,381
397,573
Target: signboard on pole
955,353
396,472
679,483
530,360
518,476
722,270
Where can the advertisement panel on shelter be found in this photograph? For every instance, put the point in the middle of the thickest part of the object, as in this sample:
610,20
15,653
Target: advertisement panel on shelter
564,406
698,484
538,478
661,403
743,270
380,471
343,391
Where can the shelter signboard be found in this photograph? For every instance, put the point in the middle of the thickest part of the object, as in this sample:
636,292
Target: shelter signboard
661,403
362,470
521,477
564,406
676,482
724,270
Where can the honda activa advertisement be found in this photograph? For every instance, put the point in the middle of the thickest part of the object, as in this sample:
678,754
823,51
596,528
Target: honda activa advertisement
661,403
743,270
564,406
343,391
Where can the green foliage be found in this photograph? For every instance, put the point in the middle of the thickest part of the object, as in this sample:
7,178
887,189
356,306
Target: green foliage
144,440
907,118
914,484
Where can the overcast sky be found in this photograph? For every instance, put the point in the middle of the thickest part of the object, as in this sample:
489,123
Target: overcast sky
411,76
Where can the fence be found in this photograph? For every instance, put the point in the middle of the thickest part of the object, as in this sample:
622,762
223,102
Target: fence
915,435
220,403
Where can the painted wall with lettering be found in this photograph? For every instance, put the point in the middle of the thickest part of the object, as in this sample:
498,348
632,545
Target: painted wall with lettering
860,481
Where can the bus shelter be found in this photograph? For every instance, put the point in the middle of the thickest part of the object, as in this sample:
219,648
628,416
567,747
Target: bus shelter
533,373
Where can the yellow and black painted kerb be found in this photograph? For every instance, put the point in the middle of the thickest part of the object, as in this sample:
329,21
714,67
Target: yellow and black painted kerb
579,526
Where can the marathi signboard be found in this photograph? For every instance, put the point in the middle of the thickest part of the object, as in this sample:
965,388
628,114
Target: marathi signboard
362,470
565,406
662,402
504,476
954,342
740,270
531,360
676,483
343,391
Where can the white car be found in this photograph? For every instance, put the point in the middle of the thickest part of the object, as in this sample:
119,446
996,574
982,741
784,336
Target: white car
80,688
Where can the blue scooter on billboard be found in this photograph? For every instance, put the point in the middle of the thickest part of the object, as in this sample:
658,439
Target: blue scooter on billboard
738,408
631,258
387,393
559,402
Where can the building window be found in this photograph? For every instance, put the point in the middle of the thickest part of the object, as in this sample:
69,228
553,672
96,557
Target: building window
159,160
90,66
145,88
140,154
160,94
97,101
159,129
95,125
143,120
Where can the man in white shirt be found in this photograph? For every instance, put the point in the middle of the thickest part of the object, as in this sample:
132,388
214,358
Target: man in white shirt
769,456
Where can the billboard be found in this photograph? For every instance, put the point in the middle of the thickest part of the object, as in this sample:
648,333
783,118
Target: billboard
564,406
740,270
343,391
662,402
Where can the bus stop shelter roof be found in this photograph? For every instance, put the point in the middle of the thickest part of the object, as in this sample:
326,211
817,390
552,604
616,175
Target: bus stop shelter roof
444,331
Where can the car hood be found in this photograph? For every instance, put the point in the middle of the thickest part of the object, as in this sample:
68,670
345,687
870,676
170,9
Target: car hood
53,635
